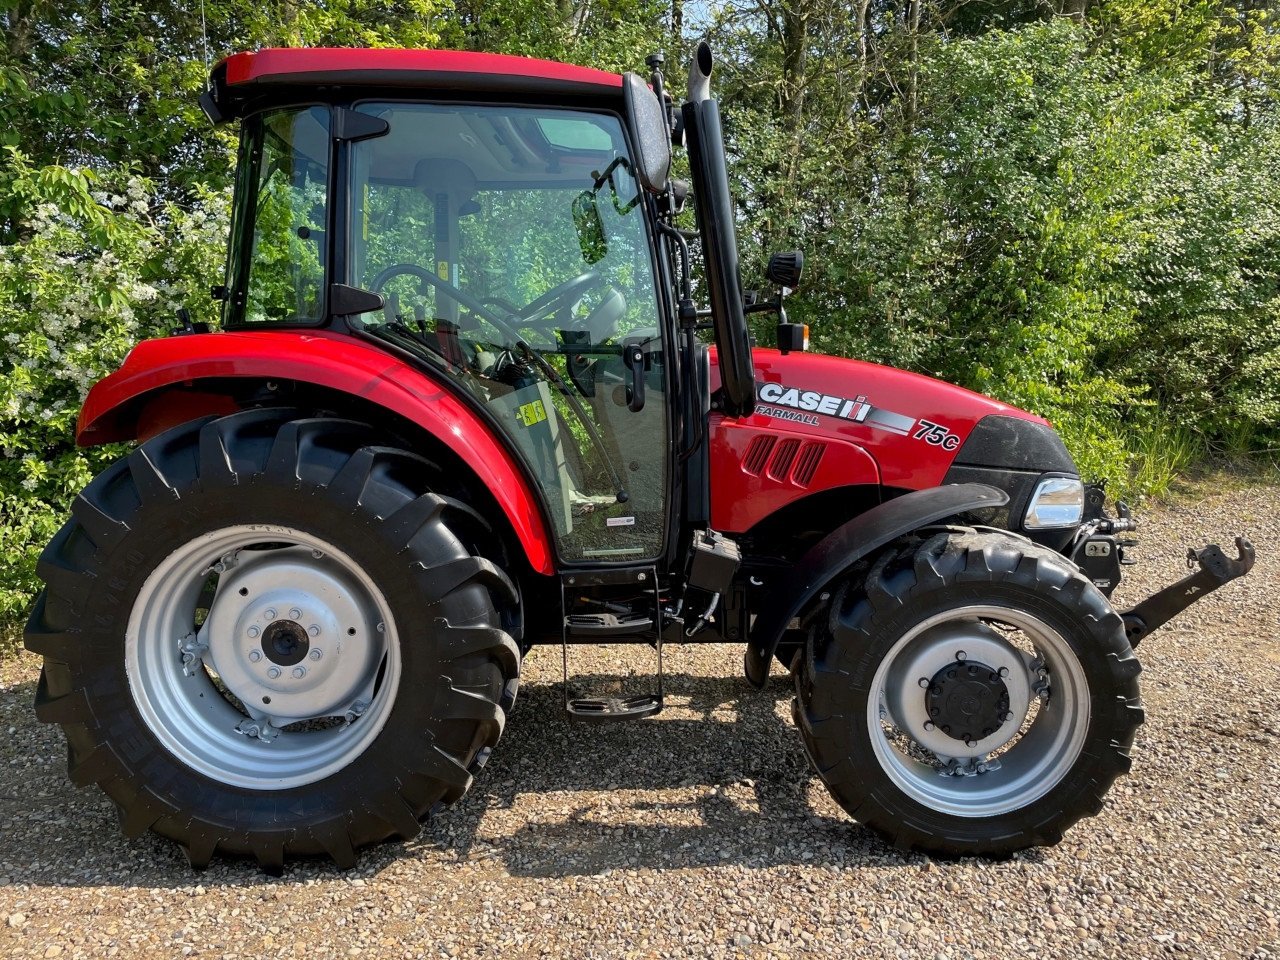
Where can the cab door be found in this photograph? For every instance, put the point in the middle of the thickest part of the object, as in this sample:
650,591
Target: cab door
511,247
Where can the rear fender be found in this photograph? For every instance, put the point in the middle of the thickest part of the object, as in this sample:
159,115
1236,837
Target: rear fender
125,405
857,539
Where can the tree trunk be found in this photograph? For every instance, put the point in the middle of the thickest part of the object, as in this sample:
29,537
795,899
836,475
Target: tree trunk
913,65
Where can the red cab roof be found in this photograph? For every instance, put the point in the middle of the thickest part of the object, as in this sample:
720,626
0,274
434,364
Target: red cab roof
410,68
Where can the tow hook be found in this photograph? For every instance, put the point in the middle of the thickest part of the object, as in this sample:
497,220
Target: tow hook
1215,569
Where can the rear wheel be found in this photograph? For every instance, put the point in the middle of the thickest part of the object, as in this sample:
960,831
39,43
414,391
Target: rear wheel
264,636
971,693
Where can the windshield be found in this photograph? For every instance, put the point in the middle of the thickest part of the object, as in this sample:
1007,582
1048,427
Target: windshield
509,244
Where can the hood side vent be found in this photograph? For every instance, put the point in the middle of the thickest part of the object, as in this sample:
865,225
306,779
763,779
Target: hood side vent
757,454
807,463
782,460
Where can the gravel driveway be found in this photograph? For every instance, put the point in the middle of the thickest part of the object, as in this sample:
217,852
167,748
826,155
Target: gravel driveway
702,833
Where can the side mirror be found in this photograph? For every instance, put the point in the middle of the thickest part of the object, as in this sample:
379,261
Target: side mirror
590,228
647,120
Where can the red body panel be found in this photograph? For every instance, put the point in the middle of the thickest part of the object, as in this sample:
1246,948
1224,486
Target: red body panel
279,64
338,362
879,425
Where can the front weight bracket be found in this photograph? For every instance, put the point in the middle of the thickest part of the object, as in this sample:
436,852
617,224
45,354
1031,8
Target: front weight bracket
1215,569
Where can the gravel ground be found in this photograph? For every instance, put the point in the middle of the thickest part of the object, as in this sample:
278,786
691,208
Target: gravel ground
702,833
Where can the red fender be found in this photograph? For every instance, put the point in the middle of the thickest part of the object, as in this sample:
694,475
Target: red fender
327,359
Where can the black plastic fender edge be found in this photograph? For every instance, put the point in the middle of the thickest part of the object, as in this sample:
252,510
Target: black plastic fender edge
854,540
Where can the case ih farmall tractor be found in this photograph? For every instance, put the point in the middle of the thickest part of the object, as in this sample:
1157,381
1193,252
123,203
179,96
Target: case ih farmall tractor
462,406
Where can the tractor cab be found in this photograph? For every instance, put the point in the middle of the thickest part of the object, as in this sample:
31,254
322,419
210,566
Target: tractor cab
474,238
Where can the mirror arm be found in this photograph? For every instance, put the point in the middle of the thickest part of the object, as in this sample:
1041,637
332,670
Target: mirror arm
681,240
765,306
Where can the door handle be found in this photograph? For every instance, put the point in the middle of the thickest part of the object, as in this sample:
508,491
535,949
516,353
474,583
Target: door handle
633,357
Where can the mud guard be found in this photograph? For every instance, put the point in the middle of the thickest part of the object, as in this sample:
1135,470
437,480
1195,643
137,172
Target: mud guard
859,538
327,359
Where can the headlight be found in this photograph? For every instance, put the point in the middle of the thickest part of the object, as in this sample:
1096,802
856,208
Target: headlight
1057,502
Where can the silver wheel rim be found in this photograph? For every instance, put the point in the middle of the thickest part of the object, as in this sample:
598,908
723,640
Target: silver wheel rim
1022,758
290,675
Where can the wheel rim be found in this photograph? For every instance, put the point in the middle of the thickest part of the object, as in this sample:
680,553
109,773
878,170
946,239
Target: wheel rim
964,664
262,657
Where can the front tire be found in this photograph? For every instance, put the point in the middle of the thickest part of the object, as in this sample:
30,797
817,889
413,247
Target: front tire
265,637
969,693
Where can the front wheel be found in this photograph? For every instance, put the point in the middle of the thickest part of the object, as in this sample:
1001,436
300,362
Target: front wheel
971,693
264,636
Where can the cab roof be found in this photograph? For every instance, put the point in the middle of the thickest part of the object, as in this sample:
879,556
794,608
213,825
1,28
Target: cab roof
294,73
417,68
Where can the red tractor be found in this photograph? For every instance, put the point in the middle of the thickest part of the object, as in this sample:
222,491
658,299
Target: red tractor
462,405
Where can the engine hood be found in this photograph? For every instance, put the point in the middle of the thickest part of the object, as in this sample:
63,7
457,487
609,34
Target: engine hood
912,425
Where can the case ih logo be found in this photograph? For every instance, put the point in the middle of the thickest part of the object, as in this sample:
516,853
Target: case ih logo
856,409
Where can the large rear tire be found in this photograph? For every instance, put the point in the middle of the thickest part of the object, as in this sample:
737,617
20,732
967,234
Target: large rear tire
969,693
263,636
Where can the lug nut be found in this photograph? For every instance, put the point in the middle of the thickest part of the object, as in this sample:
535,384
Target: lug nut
924,683
928,725
970,742
295,614
271,614
382,627
274,673
316,654
1004,672
314,630
299,672
255,655
317,554
252,631
961,656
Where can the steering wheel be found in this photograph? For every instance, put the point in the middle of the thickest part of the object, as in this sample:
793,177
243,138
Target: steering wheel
449,290
558,297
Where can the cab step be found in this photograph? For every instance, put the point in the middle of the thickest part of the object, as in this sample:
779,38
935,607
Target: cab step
597,608
613,708
603,627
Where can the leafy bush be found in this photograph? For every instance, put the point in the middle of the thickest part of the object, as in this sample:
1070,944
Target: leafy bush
1051,219
100,264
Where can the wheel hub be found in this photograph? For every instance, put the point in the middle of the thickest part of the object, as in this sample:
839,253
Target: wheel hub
289,637
967,700
285,643
919,684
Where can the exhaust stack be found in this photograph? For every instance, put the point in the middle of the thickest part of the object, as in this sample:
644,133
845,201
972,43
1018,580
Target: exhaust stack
705,143
700,68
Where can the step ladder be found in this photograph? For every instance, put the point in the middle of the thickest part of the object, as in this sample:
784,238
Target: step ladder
580,590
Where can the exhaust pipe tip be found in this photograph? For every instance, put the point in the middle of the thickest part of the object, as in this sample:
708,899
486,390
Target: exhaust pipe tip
700,68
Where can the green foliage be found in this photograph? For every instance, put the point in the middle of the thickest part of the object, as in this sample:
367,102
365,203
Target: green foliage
103,263
1077,216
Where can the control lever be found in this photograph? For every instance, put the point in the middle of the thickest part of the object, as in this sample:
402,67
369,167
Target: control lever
1216,568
